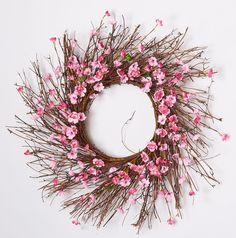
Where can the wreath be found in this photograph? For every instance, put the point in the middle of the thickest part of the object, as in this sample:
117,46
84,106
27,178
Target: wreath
99,185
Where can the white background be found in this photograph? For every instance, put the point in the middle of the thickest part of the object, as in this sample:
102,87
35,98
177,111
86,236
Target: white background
25,28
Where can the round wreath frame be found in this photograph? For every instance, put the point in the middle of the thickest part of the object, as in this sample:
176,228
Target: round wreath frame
161,68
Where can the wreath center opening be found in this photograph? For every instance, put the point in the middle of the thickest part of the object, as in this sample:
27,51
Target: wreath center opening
121,120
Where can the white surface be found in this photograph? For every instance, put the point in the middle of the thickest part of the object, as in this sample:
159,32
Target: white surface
109,123
26,26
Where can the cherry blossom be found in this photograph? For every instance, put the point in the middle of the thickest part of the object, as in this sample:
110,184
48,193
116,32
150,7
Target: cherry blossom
163,109
162,119
161,132
132,191
53,164
98,87
191,193
53,39
210,73
72,155
143,182
144,157
55,181
152,146
159,22
225,137
71,132
185,68
47,77
134,70
20,89
171,221
170,100
152,61
74,144
98,163
158,95
27,152
141,48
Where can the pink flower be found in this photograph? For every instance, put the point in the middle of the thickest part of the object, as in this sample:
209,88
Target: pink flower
124,79
162,119
210,73
141,48
196,119
81,116
100,45
185,68
225,137
120,72
73,117
134,70
52,92
170,100
55,181
173,118
144,157
181,179
124,179
80,90
143,182
73,98
87,71
51,105
133,201
53,39
191,193
53,164
115,180
123,54
171,221
164,169
40,111
163,109
161,132
187,97
152,61
58,71
76,222
71,132
20,89
93,96
158,95
72,155
132,191
74,144
27,152
117,63
107,13
159,22
186,161
98,163
47,77
163,147
98,87
120,210
152,146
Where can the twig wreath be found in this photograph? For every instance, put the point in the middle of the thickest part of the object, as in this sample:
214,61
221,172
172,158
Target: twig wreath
67,161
